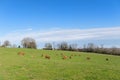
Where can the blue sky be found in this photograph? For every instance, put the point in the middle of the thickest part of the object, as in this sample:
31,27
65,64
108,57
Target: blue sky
55,18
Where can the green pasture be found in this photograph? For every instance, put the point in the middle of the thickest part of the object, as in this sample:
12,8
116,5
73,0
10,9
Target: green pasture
34,66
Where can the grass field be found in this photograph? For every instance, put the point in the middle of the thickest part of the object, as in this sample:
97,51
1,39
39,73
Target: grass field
32,66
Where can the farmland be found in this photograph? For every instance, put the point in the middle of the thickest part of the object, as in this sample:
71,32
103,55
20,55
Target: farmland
34,66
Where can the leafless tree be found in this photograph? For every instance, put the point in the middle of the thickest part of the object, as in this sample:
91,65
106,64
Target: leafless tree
48,46
6,43
63,46
72,47
28,42
91,47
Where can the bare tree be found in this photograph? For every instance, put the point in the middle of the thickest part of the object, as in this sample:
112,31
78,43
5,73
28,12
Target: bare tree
91,47
6,43
63,46
48,46
72,47
28,42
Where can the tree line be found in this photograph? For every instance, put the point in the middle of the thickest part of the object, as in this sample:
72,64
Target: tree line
28,42
90,47
60,46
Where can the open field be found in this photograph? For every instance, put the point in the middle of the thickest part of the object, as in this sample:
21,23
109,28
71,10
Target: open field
34,66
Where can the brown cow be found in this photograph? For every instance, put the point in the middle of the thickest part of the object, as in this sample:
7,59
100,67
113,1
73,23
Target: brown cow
47,56
21,53
64,57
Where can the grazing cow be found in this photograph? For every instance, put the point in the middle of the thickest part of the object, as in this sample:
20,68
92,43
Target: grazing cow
107,59
47,56
88,58
64,57
21,53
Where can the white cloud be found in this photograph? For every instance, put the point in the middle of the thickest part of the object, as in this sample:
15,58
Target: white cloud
63,35
22,30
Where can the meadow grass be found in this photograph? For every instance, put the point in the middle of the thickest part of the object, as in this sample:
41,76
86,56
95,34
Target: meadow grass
32,66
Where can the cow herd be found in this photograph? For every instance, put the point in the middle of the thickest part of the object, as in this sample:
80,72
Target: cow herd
63,56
